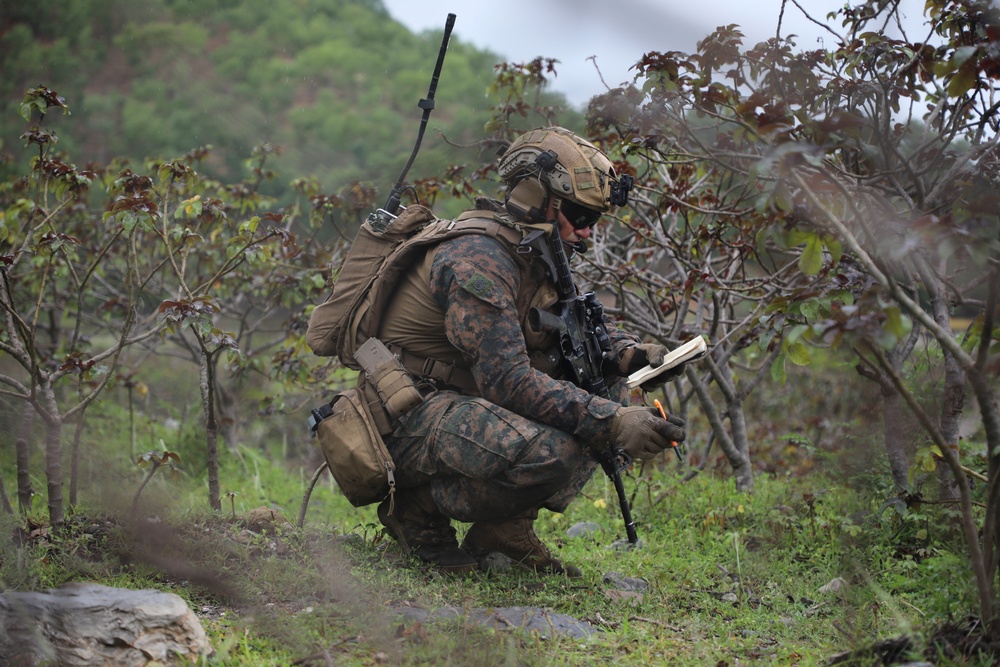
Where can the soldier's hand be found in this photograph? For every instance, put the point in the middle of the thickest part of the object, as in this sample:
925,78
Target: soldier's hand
635,357
666,376
642,433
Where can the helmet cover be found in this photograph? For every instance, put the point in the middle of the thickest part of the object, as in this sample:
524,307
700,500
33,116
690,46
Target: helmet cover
582,173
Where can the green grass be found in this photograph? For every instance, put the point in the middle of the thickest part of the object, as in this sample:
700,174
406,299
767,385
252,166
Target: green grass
733,578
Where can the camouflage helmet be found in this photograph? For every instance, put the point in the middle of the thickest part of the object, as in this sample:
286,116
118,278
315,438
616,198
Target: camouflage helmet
581,172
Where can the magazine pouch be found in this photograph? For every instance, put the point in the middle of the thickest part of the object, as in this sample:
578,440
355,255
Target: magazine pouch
397,392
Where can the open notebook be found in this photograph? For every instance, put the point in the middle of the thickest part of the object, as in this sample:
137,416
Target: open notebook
696,348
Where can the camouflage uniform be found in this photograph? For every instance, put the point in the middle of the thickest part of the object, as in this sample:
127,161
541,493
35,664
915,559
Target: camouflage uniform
524,442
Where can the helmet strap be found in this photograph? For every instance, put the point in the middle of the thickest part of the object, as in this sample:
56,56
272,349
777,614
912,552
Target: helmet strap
556,206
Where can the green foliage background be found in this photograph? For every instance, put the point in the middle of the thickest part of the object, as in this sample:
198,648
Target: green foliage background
334,83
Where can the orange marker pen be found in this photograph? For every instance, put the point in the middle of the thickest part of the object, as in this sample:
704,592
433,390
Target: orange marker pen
663,413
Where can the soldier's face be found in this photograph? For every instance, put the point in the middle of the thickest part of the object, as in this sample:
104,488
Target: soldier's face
567,231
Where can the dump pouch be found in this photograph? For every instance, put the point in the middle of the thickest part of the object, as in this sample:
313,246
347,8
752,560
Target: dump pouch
353,448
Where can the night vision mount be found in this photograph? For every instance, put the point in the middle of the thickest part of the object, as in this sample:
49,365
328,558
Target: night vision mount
620,189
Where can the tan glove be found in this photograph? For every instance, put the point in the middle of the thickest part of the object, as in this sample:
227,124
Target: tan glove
635,357
642,433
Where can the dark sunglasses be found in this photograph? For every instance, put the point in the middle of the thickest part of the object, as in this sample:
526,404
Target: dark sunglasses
579,216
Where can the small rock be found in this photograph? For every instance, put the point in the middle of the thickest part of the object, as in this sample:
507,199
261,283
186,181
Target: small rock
835,586
245,537
625,545
625,583
535,620
261,518
730,597
584,529
629,597
351,540
496,561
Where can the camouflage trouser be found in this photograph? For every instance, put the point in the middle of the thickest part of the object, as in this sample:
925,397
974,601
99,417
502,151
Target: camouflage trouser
485,463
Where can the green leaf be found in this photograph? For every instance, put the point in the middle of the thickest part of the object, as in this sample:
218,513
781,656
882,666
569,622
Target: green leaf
250,225
811,260
190,207
897,324
844,296
765,340
835,249
798,354
809,309
783,199
129,221
33,103
963,80
796,332
962,55
796,237
778,369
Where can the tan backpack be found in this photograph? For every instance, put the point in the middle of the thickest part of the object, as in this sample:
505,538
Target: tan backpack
376,262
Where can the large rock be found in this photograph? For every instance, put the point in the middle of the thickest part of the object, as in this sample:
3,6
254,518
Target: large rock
89,624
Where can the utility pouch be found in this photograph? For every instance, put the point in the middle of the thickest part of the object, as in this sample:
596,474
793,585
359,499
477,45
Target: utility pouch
391,381
353,448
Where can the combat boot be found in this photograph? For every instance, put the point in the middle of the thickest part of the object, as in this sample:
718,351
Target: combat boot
420,528
516,539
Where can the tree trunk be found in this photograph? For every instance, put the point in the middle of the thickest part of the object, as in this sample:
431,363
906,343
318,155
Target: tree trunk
742,468
227,408
211,430
894,430
53,459
131,424
952,405
74,467
23,447
736,451
4,498
991,543
895,425
953,398
982,388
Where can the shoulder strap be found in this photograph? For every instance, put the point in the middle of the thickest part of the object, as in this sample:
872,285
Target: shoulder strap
368,314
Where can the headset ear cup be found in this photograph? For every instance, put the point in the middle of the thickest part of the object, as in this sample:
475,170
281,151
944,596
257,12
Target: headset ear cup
528,201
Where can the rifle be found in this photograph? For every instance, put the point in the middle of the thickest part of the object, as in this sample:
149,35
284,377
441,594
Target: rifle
381,218
584,345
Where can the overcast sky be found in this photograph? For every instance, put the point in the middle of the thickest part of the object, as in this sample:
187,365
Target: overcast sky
617,32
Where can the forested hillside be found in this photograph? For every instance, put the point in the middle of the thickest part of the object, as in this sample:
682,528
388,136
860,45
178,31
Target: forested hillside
333,83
